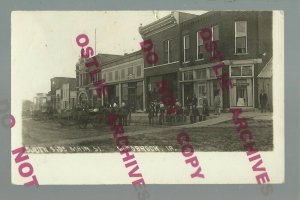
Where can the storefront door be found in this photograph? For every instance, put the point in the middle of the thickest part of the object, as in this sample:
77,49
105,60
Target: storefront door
188,91
241,93
132,95
200,93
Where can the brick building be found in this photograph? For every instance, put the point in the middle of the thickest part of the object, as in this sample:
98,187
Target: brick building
245,40
165,36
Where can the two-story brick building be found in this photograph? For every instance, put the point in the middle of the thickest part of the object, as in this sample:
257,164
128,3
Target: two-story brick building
124,78
165,36
245,40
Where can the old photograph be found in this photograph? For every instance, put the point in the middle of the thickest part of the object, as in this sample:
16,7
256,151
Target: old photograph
67,115
81,78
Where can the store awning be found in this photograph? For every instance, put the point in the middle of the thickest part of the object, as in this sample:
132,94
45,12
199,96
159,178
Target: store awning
267,71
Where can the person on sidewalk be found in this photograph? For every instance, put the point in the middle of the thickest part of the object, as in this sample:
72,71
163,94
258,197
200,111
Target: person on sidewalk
205,106
161,113
263,98
217,103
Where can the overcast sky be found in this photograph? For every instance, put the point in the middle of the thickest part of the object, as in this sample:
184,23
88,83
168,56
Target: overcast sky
44,45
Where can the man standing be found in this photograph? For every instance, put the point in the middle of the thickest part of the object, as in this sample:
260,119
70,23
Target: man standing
263,98
217,104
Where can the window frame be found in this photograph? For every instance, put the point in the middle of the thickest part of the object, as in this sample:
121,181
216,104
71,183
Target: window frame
184,48
235,37
116,77
204,71
212,32
137,70
241,69
198,41
188,75
168,51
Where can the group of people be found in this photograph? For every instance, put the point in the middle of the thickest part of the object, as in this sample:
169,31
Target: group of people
193,108
123,111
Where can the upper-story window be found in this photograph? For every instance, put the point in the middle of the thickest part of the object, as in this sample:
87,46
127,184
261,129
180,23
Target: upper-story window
110,76
200,47
167,45
116,75
241,37
130,71
104,77
82,79
166,51
139,70
186,46
215,33
152,57
123,74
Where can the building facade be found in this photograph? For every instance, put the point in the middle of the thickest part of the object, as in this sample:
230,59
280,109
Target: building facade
244,38
124,78
165,36
86,91
63,93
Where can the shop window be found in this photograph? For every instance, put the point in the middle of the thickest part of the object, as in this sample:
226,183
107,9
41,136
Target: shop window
247,71
125,92
188,75
242,71
236,71
116,75
201,74
186,46
241,37
139,70
200,47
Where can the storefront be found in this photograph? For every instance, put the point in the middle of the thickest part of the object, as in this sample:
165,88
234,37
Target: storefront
132,94
200,81
241,94
152,89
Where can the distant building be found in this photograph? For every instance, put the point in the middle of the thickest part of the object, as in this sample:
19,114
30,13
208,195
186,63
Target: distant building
86,90
26,107
39,102
63,90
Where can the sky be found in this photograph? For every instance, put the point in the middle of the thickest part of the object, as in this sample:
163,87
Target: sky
44,42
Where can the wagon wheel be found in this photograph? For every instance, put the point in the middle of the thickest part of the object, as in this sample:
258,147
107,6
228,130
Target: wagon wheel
95,123
82,123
